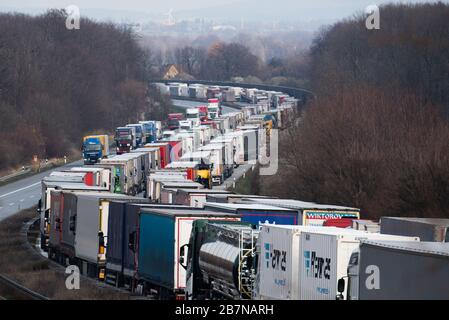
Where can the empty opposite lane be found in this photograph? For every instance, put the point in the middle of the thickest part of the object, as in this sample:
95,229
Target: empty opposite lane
25,193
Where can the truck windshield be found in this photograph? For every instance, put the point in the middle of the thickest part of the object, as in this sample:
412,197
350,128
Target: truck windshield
123,137
92,147
192,115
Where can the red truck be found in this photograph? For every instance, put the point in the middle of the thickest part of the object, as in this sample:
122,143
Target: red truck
173,120
203,111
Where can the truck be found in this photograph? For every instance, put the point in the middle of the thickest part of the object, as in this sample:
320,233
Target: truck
44,204
79,229
194,198
213,108
149,131
427,229
125,139
217,158
193,114
95,147
140,134
230,145
162,246
126,173
173,120
403,271
310,213
220,260
203,113
164,153
324,260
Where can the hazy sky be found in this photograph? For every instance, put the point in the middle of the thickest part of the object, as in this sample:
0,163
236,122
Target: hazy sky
256,9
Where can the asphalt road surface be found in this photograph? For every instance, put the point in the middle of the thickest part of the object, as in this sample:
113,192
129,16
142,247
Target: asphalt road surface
25,193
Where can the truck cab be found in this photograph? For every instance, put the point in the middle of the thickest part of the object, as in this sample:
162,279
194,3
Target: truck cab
185,125
125,138
149,131
139,133
213,108
203,112
193,115
173,120
95,148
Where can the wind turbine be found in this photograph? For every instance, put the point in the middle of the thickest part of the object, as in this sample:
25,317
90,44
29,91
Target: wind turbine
170,20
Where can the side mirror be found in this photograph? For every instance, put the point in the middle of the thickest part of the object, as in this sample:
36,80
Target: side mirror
341,285
182,252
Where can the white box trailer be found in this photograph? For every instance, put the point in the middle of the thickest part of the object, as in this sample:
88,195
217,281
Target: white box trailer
306,262
184,89
101,176
217,159
239,146
228,144
154,185
324,260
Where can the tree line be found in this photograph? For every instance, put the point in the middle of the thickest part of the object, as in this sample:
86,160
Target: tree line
58,84
376,137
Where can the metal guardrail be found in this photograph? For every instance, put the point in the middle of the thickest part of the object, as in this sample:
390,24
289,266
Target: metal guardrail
23,290
14,175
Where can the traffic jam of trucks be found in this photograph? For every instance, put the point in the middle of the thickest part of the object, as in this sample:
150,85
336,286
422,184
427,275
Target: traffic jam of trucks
157,217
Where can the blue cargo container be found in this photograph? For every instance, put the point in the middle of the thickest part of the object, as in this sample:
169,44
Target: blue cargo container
162,234
257,214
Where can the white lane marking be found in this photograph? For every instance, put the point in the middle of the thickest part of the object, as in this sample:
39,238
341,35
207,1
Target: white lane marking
31,196
30,186
11,204
22,200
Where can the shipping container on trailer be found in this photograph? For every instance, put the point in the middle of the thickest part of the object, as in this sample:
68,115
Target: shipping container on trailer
427,229
386,270
162,234
258,214
311,213
324,260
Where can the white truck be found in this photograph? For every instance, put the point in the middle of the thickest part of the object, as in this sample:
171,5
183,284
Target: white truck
193,114
307,262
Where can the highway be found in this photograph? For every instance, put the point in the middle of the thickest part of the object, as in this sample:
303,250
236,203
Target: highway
25,193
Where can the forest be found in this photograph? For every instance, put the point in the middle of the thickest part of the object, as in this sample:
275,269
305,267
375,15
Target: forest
376,137
57,84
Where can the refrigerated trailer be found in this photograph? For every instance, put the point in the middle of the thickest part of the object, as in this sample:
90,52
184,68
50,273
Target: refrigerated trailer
384,270
324,260
427,229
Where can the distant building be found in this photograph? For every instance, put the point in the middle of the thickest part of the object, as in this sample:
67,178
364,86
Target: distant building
175,72
170,72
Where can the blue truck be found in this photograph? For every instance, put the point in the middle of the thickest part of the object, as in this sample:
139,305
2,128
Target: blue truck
95,148
149,131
